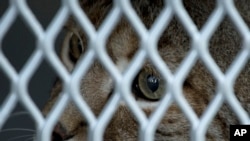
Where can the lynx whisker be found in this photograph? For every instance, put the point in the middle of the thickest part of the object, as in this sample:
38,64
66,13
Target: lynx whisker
21,137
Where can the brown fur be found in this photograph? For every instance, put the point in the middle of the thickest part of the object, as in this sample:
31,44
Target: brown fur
199,87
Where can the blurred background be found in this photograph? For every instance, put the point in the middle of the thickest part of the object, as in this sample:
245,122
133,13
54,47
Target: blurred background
18,45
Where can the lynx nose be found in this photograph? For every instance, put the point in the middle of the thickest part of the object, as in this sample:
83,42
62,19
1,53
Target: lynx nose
60,134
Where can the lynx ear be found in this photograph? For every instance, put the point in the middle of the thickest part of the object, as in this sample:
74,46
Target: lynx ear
71,50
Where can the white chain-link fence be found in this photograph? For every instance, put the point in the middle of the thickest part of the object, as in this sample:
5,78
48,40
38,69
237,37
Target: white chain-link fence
45,40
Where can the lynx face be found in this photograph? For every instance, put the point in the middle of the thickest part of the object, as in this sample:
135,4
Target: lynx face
148,86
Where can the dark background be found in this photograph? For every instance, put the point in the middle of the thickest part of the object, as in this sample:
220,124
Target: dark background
18,45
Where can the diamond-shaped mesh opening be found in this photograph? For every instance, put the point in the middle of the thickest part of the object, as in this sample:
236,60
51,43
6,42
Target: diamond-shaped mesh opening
72,44
123,119
40,86
174,125
53,97
224,46
94,15
148,87
40,8
97,84
174,45
18,44
147,11
199,11
199,88
122,44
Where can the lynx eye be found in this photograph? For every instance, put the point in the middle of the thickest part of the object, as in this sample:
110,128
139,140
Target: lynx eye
149,85
75,48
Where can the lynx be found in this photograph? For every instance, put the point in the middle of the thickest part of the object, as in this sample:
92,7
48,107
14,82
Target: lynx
148,87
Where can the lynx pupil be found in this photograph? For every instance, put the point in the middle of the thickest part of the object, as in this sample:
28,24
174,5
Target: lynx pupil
152,82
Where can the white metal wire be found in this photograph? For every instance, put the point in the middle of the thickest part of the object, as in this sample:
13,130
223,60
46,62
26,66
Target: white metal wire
148,48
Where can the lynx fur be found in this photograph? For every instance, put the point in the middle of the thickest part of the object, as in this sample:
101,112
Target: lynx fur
199,87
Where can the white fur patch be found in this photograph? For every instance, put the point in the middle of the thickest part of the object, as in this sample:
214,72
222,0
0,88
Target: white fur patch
106,85
149,105
122,64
